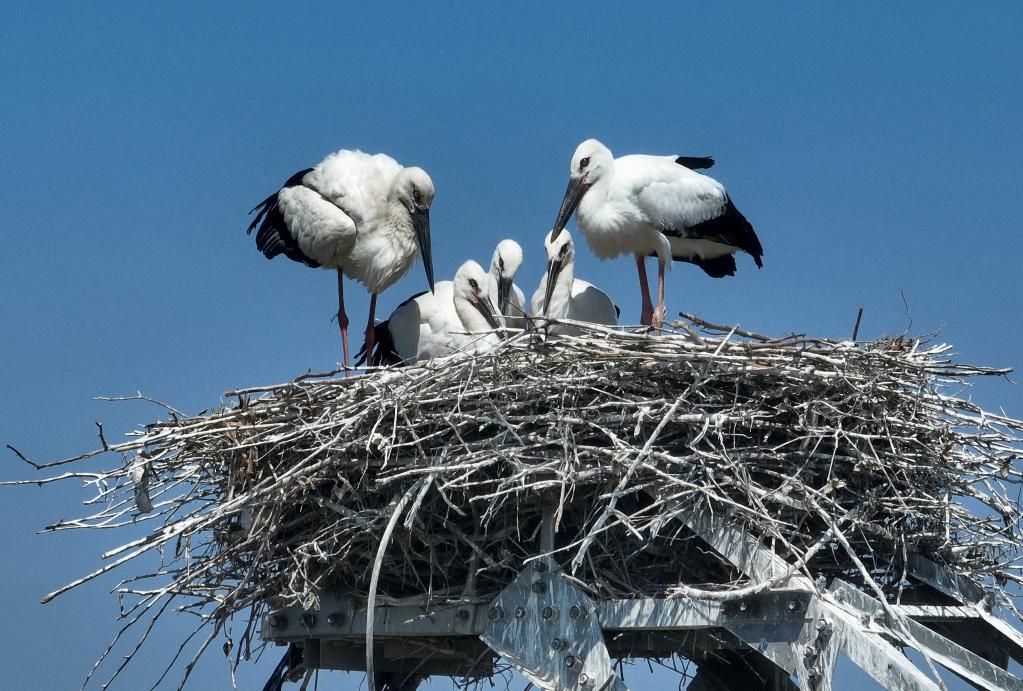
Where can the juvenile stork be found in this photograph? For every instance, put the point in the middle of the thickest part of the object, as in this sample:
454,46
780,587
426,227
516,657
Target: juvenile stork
561,295
458,316
654,206
510,301
362,215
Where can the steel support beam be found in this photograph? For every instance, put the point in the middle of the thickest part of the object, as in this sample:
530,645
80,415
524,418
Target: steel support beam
887,621
548,627
868,648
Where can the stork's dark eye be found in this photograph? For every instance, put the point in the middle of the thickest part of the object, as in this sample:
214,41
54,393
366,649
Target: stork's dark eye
500,263
583,163
474,284
416,196
564,250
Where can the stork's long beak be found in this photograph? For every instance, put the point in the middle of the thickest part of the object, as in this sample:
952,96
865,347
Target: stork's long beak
504,286
421,223
486,308
553,269
574,193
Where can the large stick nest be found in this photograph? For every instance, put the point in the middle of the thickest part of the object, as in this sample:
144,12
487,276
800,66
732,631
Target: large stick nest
844,457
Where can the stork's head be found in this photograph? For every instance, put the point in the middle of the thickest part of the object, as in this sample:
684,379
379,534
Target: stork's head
560,254
503,267
591,161
414,190
561,248
471,289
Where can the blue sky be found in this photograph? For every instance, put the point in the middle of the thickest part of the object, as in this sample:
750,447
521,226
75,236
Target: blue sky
876,151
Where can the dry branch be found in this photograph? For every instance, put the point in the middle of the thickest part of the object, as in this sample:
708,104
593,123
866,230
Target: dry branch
844,456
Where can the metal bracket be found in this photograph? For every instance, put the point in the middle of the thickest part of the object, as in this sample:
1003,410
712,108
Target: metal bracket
548,628
971,667
867,646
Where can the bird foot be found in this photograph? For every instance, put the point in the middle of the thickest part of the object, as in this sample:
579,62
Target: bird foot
657,318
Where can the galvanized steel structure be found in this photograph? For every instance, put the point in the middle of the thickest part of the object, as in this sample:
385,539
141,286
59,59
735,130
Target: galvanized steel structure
786,633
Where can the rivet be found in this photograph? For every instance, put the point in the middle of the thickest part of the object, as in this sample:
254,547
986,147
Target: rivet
584,680
496,613
810,651
462,614
520,612
573,663
549,613
277,620
823,626
577,611
557,644
813,672
743,606
335,618
795,605
539,587
308,620
542,566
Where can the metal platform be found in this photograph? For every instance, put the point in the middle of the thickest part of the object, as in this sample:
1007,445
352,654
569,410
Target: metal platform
782,637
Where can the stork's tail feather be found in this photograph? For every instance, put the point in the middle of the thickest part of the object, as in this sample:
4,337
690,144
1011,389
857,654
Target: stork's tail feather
718,267
695,162
749,241
288,669
384,353
264,208
272,234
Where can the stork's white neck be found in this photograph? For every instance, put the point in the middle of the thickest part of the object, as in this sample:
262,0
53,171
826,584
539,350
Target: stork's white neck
397,218
472,320
595,198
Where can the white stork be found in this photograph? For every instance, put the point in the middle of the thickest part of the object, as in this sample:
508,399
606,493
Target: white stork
458,316
510,301
561,295
365,216
655,206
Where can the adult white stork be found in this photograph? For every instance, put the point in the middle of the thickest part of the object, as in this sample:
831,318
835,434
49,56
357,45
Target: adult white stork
458,316
561,295
655,206
365,216
510,301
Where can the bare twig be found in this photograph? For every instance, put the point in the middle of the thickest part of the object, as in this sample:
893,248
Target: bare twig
845,456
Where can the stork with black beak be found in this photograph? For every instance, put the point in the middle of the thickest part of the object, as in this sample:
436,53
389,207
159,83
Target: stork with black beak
366,217
563,296
459,316
511,302
655,206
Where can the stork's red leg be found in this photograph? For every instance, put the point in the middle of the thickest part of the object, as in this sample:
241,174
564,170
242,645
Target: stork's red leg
646,316
342,318
371,327
661,310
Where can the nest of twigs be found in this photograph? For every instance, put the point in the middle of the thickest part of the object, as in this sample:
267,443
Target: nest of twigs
844,457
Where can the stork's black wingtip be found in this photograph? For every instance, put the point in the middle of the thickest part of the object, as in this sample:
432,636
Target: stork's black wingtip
695,162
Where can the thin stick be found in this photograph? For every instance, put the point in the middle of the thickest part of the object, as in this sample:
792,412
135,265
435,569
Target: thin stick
375,579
